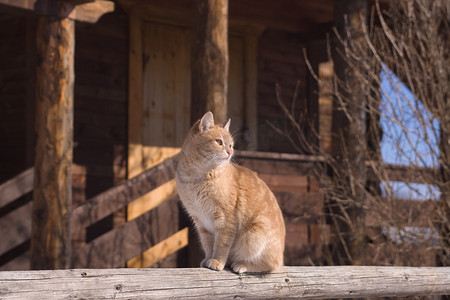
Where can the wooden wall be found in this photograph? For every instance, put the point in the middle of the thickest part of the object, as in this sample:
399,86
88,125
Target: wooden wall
280,60
297,191
100,121
17,73
17,46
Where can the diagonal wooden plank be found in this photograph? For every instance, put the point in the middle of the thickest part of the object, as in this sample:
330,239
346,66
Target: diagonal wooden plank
15,228
161,250
115,247
16,187
117,197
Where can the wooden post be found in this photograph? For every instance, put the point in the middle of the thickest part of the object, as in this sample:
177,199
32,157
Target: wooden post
52,196
350,134
209,85
251,86
317,53
210,60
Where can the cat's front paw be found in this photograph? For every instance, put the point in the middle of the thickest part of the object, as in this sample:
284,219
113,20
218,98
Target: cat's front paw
238,267
213,264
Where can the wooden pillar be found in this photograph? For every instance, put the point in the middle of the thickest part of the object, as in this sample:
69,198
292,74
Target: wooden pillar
52,196
210,60
349,145
209,81
317,53
252,34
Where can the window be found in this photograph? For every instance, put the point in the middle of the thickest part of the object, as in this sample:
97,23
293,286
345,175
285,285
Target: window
410,138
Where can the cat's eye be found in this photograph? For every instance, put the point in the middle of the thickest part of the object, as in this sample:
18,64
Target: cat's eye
219,142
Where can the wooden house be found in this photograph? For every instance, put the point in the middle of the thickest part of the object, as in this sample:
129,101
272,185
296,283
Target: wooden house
124,70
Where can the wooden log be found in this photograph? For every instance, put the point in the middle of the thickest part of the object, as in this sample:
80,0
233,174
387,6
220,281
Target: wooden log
210,60
52,195
289,283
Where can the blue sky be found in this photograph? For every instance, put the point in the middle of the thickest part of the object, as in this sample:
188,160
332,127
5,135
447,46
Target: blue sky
407,125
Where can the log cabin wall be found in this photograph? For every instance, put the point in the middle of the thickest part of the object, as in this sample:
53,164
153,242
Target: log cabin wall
101,87
17,77
280,61
100,117
101,113
17,46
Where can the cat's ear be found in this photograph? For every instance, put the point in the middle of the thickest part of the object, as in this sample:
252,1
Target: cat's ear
207,121
227,125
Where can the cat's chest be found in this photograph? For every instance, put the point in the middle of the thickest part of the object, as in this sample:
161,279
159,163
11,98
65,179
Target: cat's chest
203,195
204,200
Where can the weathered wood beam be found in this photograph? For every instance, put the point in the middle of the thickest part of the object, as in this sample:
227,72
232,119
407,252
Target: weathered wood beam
210,60
79,10
91,12
52,194
289,283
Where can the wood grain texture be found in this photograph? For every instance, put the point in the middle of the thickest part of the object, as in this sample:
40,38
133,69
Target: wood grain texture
52,193
289,283
210,60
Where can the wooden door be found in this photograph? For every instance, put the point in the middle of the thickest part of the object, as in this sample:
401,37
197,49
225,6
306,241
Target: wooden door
159,112
159,117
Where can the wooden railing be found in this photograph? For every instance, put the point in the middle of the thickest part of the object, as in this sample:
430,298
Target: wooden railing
200,283
288,175
117,246
15,224
111,249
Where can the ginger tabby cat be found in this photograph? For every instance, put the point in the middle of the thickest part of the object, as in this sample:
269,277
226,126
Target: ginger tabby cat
237,217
